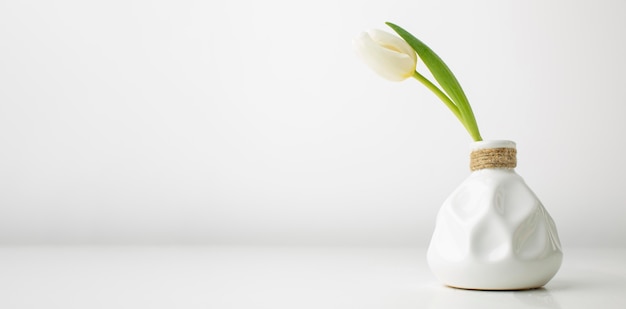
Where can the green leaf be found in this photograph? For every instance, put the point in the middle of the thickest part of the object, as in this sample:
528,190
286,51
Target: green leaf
437,67
444,77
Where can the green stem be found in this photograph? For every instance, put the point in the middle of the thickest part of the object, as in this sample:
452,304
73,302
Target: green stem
470,120
442,96
471,127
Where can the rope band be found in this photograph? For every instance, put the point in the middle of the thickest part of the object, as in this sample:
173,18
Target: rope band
493,158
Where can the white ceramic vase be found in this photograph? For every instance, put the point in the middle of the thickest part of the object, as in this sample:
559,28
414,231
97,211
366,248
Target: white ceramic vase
493,233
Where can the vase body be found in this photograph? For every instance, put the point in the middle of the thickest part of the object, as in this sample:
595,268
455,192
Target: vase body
493,233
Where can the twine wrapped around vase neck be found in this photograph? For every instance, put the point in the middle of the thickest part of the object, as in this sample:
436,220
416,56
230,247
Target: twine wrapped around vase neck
493,158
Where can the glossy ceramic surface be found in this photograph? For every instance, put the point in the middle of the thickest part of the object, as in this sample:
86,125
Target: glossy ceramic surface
493,233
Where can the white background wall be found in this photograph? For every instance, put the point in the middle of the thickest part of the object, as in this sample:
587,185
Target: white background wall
252,122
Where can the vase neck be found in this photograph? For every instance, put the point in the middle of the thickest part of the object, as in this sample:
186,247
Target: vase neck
493,154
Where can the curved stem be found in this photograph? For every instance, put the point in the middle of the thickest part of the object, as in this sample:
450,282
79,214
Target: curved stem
471,127
468,115
474,132
442,96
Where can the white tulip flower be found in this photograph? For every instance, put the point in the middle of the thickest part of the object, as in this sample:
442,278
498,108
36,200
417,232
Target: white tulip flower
395,58
388,55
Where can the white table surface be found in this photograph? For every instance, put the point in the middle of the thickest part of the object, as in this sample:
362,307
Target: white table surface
280,277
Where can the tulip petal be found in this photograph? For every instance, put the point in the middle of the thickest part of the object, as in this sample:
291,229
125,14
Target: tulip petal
393,42
389,59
